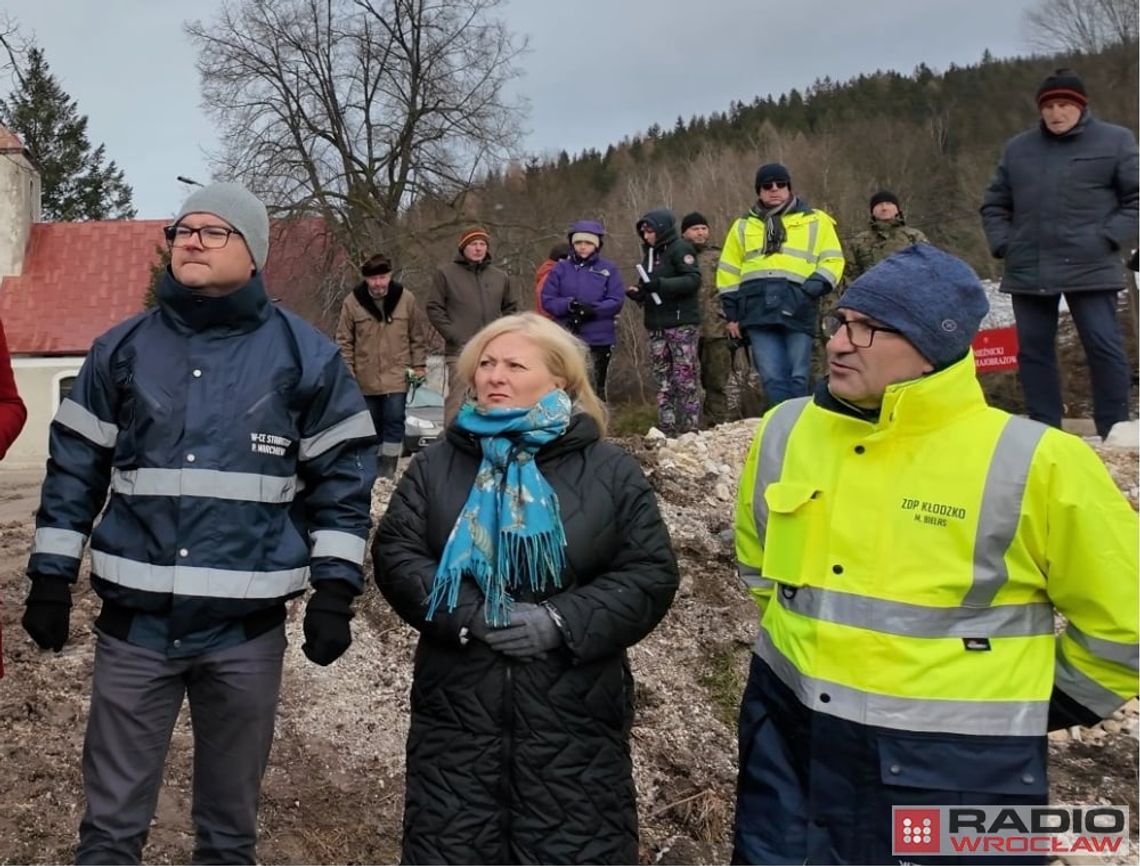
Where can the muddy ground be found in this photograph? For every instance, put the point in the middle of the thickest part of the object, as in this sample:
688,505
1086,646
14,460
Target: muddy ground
333,793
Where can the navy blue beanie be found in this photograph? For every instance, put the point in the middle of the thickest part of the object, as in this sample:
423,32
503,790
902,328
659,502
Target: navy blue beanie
935,299
772,171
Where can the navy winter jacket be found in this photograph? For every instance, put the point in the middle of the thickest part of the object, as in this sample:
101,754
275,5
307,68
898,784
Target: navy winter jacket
1061,210
238,454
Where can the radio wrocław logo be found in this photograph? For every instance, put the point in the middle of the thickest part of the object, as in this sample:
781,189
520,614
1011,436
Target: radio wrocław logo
995,831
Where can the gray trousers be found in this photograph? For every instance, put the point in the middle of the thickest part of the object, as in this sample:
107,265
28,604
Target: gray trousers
135,699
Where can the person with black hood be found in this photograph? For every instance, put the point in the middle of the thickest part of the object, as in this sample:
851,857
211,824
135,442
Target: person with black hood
887,234
668,289
1061,213
584,294
466,294
777,261
381,338
529,554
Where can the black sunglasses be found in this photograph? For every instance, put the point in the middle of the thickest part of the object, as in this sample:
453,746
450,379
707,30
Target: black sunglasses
774,184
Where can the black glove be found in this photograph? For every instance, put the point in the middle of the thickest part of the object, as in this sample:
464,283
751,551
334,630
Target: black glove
327,616
583,311
815,287
532,632
650,285
47,612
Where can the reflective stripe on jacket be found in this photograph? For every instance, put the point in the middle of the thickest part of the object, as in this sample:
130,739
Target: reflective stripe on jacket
782,288
908,569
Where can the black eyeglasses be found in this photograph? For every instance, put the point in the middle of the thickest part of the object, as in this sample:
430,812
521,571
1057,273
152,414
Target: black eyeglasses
859,332
210,237
774,184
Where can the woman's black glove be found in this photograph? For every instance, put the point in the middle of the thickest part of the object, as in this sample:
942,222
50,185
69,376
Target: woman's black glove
582,311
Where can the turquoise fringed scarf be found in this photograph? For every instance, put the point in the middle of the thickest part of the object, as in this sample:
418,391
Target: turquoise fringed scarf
510,528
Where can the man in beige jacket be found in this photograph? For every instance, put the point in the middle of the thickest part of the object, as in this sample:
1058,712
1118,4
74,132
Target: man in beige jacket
466,294
381,336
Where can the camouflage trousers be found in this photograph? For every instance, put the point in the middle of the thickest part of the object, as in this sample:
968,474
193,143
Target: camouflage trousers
676,370
716,379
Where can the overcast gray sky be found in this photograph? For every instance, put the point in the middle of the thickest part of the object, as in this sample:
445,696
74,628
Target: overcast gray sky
597,70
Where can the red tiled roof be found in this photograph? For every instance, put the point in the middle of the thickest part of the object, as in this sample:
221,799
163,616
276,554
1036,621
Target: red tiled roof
79,279
9,140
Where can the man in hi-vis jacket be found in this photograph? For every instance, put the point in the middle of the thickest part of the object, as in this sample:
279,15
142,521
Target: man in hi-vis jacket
907,546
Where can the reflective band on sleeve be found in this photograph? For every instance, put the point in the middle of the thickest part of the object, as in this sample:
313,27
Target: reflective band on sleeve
342,545
773,447
1126,654
913,620
208,483
88,425
197,581
59,542
1009,718
1082,688
728,269
753,578
1000,511
828,275
358,426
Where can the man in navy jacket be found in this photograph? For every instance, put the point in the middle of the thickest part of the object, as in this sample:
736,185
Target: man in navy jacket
1060,212
237,451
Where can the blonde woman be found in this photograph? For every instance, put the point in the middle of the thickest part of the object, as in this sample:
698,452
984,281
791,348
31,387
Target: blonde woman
529,553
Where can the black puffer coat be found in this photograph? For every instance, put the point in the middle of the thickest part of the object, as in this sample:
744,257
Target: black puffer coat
510,762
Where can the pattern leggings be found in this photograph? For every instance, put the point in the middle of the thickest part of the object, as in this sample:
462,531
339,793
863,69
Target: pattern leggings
676,370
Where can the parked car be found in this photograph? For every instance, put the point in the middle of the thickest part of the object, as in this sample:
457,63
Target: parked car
423,418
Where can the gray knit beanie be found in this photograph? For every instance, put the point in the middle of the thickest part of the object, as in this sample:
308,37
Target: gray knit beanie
240,208
933,298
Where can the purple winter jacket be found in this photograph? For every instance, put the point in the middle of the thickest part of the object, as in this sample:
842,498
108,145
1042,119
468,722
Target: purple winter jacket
594,281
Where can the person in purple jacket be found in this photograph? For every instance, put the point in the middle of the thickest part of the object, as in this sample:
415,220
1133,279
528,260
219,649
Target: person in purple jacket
584,294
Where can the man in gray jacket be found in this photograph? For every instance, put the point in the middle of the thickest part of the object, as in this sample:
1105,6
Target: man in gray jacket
1059,211
466,294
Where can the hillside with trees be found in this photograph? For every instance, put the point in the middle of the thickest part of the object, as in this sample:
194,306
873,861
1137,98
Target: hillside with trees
393,122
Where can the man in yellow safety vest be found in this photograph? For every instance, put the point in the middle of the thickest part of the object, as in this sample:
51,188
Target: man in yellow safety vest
907,546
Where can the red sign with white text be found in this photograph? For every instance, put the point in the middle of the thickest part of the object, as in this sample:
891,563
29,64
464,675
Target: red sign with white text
996,349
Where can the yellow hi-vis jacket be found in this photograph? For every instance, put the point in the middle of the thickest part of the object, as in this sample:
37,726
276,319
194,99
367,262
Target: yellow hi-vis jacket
781,288
907,570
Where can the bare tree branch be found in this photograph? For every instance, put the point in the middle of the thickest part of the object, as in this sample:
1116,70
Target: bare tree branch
358,110
1082,26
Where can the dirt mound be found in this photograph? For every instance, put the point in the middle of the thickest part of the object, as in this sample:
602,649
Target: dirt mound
334,790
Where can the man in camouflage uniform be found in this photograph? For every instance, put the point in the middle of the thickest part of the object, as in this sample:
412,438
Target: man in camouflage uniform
887,235
713,347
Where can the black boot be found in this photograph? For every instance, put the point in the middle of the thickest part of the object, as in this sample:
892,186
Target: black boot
388,466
